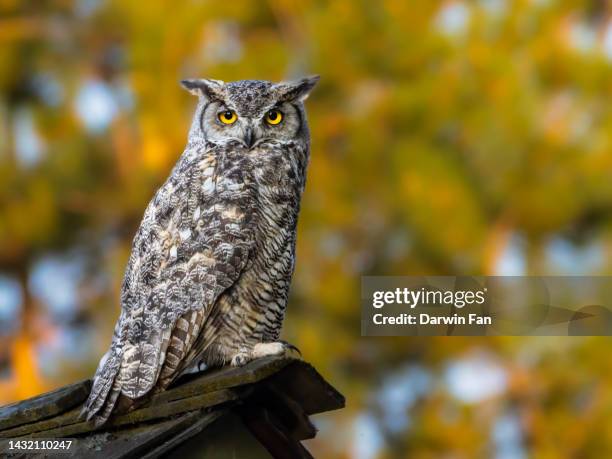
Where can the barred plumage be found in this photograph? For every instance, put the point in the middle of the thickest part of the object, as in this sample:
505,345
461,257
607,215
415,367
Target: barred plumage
211,264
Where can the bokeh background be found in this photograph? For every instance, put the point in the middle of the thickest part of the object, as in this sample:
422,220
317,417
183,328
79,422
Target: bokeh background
449,137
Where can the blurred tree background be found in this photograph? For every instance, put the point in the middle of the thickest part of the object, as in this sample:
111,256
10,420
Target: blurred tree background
449,137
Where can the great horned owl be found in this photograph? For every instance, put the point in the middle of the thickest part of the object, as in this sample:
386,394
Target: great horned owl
209,272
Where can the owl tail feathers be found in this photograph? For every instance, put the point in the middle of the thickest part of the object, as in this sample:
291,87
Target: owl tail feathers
104,392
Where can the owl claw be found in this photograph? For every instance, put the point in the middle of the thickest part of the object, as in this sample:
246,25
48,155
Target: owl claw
264,350
290,347
240,359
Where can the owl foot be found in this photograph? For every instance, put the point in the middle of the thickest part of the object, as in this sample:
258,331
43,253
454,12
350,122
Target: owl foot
241,358
291,349
244,356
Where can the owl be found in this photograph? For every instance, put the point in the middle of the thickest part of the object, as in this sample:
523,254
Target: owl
211,263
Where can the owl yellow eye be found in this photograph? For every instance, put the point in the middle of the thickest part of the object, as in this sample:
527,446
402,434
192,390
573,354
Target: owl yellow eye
274,117
228,117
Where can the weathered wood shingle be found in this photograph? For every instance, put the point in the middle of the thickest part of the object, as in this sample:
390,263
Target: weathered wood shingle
273,397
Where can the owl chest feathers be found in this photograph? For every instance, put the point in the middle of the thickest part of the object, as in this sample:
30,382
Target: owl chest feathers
255,305
277,181
235,191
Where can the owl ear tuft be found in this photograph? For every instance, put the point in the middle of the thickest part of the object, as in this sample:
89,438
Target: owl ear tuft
297,90
211,89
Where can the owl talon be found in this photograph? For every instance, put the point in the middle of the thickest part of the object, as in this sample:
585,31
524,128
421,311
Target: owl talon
264,350
240,359
290,347
277,348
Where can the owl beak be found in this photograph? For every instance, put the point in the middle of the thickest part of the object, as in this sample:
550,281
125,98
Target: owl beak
249,137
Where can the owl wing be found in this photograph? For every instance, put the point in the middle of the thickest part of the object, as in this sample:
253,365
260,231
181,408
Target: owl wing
169,291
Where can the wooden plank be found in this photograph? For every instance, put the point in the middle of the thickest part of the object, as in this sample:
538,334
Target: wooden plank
149,413
277,395
194,429
60,401
300,381
146,440
44,406
68,418
29,413
271,433
136,441
285,409
110,445
227,437
289,412
222,378
69,424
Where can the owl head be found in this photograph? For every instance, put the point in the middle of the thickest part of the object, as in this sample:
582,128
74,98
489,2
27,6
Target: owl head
250,111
